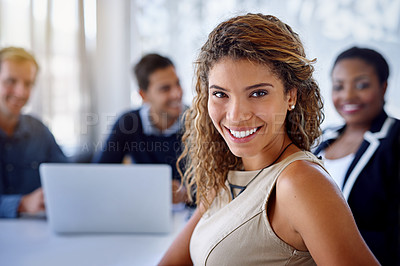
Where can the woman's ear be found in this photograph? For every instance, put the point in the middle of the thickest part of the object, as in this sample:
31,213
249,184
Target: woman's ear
384,87
292,98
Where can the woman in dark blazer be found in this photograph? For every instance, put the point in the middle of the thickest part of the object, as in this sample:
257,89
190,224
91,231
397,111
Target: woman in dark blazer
363,155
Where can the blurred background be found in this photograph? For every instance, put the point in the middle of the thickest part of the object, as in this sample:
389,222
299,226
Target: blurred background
86,49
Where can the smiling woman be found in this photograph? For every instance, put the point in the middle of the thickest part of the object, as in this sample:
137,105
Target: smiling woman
247,139
247,105
366,149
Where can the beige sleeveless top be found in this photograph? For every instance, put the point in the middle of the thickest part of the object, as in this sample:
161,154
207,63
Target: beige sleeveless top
238,232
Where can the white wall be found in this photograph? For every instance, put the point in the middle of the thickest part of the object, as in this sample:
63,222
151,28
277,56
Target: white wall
112,85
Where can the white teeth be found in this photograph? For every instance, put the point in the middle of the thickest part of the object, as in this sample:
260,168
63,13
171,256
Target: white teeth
242,134
350,107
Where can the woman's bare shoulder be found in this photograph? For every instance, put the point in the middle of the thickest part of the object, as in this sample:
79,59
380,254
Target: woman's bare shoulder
307,177
313,206
303,189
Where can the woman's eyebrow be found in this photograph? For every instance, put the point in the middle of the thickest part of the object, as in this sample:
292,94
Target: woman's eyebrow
255,86
361,77
217,87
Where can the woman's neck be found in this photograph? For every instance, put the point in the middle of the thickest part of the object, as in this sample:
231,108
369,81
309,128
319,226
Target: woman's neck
271,155
356,129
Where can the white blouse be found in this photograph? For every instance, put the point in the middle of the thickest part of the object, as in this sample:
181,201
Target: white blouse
337,168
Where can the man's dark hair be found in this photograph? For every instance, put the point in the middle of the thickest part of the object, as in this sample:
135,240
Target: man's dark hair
148,65
369,56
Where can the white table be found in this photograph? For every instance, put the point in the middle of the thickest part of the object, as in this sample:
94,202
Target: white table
29,242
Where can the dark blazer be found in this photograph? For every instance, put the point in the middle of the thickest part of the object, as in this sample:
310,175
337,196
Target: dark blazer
127,138
372,187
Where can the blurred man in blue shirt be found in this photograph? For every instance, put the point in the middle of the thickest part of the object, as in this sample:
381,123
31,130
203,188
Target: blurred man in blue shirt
152,133
24,141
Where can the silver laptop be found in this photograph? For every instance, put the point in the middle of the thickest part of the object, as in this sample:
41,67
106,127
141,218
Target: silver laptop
107,198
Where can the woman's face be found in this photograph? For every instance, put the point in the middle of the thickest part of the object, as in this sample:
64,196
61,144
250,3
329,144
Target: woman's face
357,93
248,106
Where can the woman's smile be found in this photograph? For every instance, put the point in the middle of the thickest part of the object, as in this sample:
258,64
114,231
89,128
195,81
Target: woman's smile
243,134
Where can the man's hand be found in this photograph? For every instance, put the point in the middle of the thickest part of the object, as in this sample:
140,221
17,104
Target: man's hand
32,203
178,194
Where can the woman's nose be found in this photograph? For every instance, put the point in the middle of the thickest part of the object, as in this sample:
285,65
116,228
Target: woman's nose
238,111
348,92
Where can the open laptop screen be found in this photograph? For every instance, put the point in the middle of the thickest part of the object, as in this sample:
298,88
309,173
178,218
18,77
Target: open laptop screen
107,198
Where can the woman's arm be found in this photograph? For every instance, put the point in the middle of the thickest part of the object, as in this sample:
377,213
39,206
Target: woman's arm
316,212
178,253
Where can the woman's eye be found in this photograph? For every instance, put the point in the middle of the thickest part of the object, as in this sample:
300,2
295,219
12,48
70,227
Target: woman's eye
362,85
219,94
259,93
337,87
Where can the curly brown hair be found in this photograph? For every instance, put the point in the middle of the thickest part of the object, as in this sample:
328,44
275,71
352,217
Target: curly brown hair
262,39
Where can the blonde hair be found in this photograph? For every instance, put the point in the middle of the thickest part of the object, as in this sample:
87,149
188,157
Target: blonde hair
17,54
262,39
